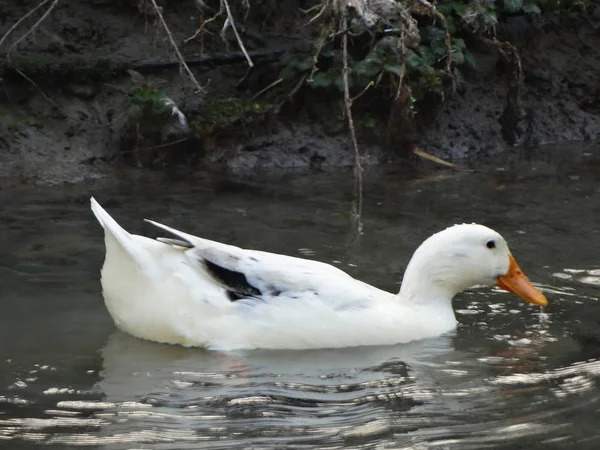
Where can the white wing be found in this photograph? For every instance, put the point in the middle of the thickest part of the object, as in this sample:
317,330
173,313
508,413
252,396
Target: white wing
256,275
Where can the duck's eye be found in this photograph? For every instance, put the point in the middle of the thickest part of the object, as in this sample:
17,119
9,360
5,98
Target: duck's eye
490,244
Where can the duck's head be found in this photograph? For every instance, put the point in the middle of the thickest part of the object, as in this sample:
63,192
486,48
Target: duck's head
463,256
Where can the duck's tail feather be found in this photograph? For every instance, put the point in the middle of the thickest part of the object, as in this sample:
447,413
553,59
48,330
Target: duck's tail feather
110,225
185,238
124,239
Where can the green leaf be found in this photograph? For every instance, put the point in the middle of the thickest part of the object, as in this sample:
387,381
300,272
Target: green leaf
489,18
327,52
461,8
305,64
396,69
321,80
458,58
459,43
458,78
369,122
288,73
428,70
339,83
430,34
413,61
369,67
451,25
532,9
439,49
445,9
513,6
428,58
469,59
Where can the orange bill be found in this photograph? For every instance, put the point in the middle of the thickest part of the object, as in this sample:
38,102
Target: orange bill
517,283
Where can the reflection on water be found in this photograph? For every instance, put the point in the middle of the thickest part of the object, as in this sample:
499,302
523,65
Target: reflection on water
511,376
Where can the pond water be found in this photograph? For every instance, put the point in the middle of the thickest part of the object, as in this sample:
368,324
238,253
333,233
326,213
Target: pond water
511,376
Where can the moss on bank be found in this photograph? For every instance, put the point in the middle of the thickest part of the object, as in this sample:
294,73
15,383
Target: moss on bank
59,70
221,112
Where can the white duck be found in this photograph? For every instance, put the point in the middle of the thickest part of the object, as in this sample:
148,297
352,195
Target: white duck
195,292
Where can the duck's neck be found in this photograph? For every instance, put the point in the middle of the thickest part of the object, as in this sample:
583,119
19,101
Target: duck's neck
425,290
426,283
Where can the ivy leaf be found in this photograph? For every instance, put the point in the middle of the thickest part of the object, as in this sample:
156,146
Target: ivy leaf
320,80
339,83
458,58
469,59
428,58
368,67
428,70
451,25
327,52
305,64
438,48
461,8
288,73
430,34
532,9
396,69
458,78
445,9
513,6
459,43
490,18
369,122
414,61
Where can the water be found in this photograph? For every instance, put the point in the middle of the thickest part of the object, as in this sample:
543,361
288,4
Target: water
509,377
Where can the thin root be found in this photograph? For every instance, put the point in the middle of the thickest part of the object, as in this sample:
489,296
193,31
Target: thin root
265,89
18,22
176,48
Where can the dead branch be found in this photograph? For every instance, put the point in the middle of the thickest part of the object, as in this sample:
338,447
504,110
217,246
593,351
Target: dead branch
158,12
311,9
316,16
231,23
403,67
358,170
417,151
298,86
203,25
369,85
320,43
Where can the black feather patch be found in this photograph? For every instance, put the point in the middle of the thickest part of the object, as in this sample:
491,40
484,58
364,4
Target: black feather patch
175,242
236,283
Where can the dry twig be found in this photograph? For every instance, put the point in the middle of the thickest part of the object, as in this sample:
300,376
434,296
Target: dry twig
175,47
358,170
230,22
298,86
417,151
265,89
203,25
316,16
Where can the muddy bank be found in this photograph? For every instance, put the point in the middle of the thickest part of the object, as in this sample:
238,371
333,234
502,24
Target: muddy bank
65,124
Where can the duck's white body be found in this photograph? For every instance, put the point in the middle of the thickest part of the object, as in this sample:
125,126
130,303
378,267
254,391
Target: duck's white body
196,292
